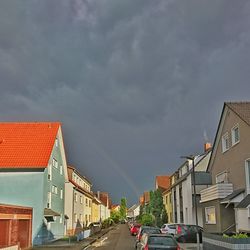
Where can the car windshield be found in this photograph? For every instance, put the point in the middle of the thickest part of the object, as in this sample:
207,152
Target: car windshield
152,231
161,240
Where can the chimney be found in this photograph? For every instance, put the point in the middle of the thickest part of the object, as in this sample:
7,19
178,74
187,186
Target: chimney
207,146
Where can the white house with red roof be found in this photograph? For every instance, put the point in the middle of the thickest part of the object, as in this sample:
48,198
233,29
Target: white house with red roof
33,172
78,201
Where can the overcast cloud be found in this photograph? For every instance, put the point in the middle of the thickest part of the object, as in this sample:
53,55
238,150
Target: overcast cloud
135,83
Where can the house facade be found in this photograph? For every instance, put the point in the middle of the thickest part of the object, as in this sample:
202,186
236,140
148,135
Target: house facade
133,211
183,189
33,173
79,210
105,206
167,202
96,209
226,202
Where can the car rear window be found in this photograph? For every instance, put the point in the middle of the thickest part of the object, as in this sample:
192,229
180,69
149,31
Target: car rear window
161,240
152,231
172,226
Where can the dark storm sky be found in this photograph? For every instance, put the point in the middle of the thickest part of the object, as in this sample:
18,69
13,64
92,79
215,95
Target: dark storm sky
136,83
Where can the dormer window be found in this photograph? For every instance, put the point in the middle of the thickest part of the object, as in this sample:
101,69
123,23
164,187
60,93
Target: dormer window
235,135
225,142
56,142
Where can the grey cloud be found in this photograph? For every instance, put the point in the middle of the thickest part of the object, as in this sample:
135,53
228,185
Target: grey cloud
141,79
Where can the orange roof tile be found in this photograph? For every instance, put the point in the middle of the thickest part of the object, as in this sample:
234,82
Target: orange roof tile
26,144
163,181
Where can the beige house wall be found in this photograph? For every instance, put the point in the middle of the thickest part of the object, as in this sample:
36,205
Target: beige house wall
233,160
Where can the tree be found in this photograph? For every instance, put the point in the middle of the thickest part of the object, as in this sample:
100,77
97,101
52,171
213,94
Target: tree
115,216
123,208
147,220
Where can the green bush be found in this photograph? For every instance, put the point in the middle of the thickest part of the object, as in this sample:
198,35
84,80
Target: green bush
147,220
236,236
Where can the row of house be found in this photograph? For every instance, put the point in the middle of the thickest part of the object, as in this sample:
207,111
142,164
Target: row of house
214,187
41,197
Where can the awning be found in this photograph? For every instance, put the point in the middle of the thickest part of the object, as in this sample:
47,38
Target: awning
235,197
49,212
245,202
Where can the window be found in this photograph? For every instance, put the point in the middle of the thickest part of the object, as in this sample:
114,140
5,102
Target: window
81,199
89,218
235,135
210,215
221,177
54,189
54,163
80,217
225,142
75,218
56,142
75,197
61,170
89,203
86,202
49,172
61,218
61,194
49,200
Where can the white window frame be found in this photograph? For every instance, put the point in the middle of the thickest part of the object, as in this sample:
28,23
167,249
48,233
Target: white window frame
75,198
49,200
224,139
206,215
61,194
224,177
54,163
81,199
56,142
61,218
61,170
233,134
49,172
247,174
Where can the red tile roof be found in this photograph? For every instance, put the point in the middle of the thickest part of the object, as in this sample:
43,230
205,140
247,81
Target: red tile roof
163,181
27,145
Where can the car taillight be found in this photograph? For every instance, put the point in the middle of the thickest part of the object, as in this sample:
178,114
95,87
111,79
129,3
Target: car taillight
178,230
146,247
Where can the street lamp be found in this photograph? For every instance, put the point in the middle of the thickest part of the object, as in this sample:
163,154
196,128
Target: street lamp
192,157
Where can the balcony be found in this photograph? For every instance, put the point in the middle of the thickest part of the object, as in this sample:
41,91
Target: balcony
217,191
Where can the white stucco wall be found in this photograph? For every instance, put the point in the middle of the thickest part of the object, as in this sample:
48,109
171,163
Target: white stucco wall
242,221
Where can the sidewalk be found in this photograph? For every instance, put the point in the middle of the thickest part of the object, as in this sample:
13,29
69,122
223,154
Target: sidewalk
75,245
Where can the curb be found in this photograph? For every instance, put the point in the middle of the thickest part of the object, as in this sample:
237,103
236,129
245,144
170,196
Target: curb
97,238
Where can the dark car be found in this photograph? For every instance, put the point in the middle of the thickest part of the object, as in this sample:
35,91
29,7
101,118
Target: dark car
146,229
188,233
135,229
157,242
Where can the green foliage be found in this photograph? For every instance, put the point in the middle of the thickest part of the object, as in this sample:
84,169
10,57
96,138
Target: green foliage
164,216
147,220
115,216
107,223
236,236
123,208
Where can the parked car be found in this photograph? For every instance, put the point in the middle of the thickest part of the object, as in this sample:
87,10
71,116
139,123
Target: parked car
95,227
146,229
135,229
187,233
168,228
157,241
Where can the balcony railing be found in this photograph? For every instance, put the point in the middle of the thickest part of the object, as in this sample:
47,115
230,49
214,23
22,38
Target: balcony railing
217,191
